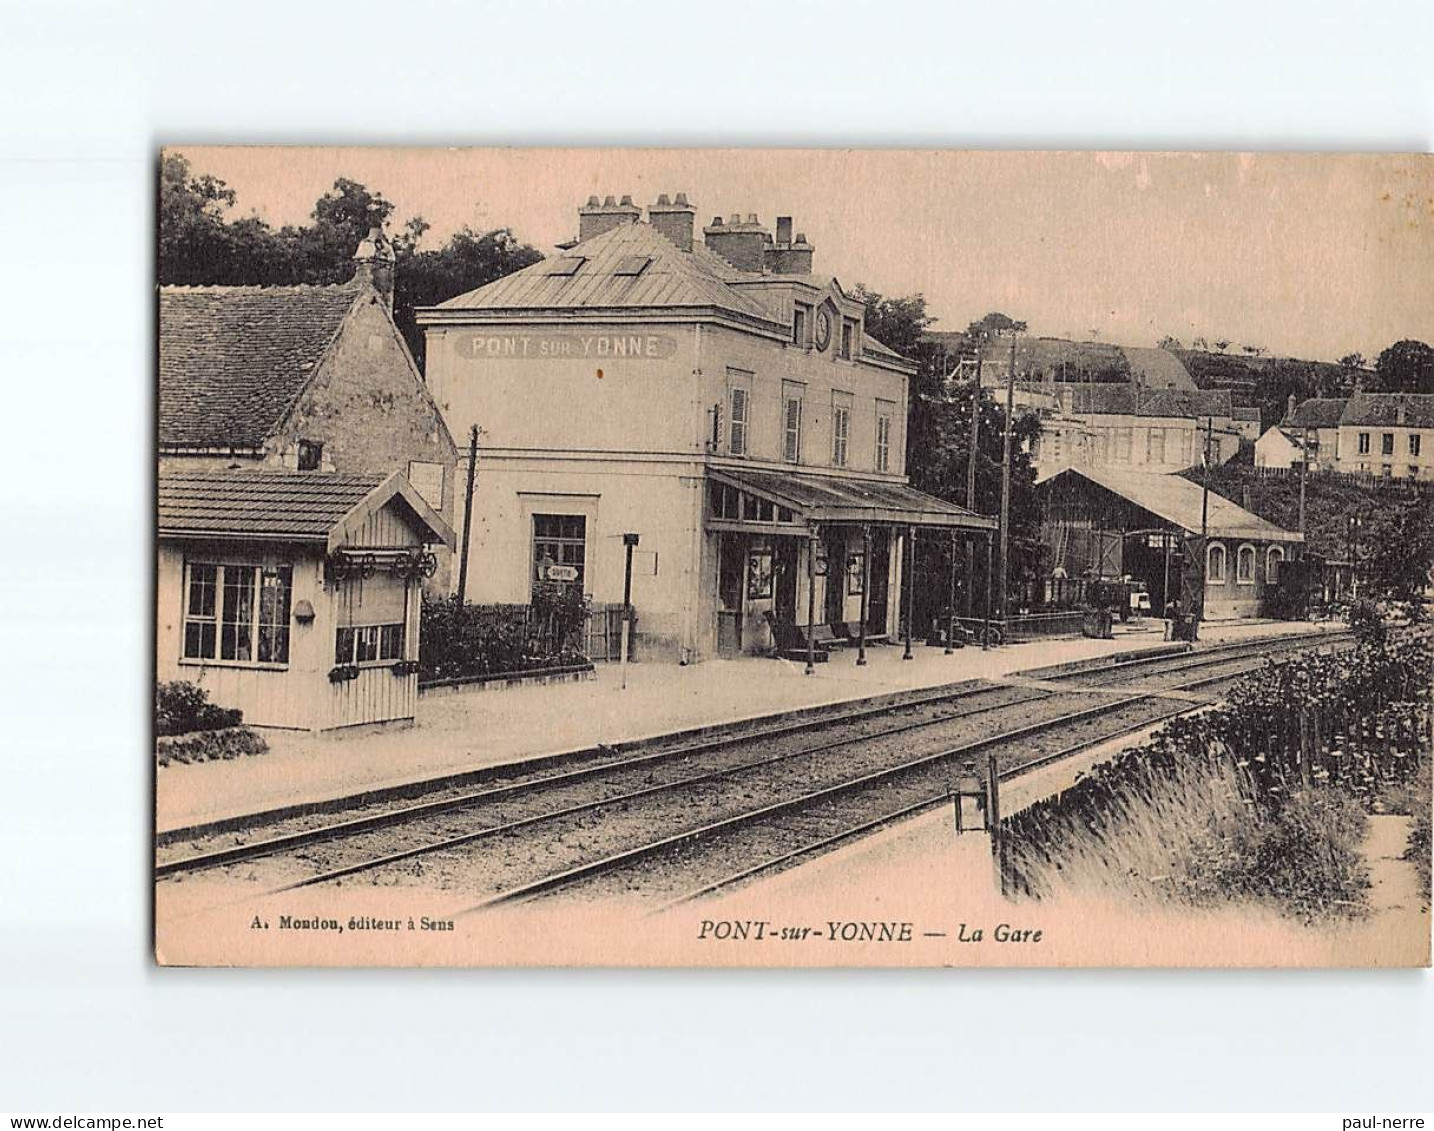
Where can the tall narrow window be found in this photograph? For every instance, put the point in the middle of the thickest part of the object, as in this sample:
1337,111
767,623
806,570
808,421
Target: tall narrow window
1364,443
883,441
847,333
737,441
1386,444
1245,565
1272,565
799,325
791,425
1414,443
1215,564
841,433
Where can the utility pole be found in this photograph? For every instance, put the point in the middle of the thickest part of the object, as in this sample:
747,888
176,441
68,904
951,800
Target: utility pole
1304,471
1002,577
1204,529
971,477
467,515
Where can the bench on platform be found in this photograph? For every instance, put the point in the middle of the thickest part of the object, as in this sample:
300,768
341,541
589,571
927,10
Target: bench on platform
850,633
791,641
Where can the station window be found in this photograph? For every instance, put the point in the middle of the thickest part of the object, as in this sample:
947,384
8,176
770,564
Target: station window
1364,443
883,441
1215,564
368,644
1245,565
841,428
1272,565
799,325
1386,444
791,424
848,334
1414,443
560,548
237,613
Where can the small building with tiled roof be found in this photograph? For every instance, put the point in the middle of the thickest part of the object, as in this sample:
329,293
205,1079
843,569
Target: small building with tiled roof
1308,432
1150,528
295,596
708,392
299,378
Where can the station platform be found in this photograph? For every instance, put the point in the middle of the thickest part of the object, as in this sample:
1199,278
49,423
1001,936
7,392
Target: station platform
462,731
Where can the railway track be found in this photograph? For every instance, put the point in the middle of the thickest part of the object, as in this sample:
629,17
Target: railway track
586,819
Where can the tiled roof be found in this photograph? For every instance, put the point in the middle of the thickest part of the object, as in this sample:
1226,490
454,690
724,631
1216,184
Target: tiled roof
1317,412
1246,412
232,360
1157,369
671,278
829,498
1132,400
1409,410
297,506
1177,500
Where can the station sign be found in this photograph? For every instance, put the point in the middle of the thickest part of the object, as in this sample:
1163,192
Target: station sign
561,573
524,346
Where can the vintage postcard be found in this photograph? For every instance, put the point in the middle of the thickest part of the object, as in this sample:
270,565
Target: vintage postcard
792,558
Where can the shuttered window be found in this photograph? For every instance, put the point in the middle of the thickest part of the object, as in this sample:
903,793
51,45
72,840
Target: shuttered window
737,442
883,442
792,428
841,428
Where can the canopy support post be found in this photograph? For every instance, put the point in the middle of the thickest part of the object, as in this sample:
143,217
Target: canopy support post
951,603
865,586
811,602
910,588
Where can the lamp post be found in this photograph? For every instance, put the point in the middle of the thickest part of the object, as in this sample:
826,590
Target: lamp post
910,589
629,542
1006,439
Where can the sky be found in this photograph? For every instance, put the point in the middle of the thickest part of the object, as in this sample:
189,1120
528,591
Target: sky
1307,255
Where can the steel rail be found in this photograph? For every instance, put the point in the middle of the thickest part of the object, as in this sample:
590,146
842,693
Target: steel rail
535,888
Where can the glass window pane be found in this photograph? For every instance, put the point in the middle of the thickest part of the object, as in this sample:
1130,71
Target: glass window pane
344,646
236,634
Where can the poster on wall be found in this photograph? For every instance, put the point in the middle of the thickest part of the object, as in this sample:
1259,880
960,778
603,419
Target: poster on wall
423,697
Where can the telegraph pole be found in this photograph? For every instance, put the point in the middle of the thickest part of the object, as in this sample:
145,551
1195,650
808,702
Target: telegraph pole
467,515
971,478
1304,471
1002,578
1204,529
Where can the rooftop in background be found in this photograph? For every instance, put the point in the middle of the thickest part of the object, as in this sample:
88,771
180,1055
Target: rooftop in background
1179,501
233,360
1157,369
1408,410
1132,400
1316,412
288,506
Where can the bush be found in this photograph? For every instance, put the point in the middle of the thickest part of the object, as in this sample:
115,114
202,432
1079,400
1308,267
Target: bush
181,707
459,640
209,745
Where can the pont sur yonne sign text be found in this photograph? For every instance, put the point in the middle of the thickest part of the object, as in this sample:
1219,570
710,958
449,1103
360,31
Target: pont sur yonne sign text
566,347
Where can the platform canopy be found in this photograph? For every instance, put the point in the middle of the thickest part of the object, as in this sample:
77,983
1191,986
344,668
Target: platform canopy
1173,499
776,500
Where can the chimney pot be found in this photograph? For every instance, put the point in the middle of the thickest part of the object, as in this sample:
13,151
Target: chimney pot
681,199
736,218
716,222
626,199
593,201
784,229
751,217
609,202
662,200
373,264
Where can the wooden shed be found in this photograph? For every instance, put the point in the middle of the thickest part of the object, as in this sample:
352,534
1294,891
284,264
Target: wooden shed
295,596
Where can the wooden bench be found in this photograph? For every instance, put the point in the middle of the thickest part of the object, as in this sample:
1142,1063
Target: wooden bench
792,641
850,633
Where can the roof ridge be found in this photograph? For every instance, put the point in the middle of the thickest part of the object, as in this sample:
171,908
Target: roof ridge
353,284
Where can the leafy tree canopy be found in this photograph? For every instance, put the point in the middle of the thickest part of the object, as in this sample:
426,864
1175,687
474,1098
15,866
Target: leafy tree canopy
201,242
1405,367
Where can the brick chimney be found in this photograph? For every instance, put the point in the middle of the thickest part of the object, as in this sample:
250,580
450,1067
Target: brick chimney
741,243
596,218
1290,407
373,264
674,219
788,256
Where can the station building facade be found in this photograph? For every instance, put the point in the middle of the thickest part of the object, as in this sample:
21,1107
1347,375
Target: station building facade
713,396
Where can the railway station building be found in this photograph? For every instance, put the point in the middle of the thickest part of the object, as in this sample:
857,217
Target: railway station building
1107,523
709,392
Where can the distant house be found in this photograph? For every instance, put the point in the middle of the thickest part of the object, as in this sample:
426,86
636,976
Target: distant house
1311,426
304,378
1128,426
1389,435
1247,422
294,596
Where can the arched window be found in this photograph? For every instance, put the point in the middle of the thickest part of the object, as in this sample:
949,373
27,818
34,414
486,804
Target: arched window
1245,565
1272,565
1215,563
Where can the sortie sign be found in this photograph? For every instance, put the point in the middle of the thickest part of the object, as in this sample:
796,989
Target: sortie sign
566,347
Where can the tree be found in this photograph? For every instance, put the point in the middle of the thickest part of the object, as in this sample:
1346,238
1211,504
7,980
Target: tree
1169,343
1405,367
1221,345
200,243
1353,360
1199,344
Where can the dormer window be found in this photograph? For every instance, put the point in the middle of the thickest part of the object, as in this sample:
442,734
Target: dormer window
566,266
799,324
311,455
848,336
